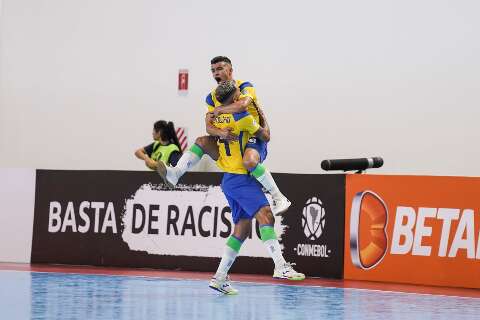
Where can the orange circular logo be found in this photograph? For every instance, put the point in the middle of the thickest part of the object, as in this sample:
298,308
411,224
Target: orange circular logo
368,223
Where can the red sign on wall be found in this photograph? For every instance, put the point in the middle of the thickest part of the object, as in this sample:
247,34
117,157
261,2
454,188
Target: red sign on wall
183,80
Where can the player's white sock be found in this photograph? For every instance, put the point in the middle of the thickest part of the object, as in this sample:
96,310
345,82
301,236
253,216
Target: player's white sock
229,255
188,160
269,238
265,178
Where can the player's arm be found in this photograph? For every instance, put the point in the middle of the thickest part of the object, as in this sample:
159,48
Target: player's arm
236,107
225,134
246,97
143,154
248,123
151,164
264,131
210,128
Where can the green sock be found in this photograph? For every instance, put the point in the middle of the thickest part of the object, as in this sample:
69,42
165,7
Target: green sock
195,149
267,233
258,171
234,243
270,241
229,255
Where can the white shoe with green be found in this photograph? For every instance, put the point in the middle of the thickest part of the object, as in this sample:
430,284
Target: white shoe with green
222,284
168,174
280,205
287,272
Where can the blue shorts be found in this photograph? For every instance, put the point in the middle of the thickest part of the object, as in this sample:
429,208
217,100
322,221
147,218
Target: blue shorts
244,195
259,145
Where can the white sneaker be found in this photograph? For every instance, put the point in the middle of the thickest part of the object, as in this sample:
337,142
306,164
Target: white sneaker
287,272
168,174
280,205
222,285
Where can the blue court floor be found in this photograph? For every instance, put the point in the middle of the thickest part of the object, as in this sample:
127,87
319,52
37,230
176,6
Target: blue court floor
32,295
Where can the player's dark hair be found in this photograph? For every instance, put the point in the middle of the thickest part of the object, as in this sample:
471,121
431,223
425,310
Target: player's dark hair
221,59
225,90
167,132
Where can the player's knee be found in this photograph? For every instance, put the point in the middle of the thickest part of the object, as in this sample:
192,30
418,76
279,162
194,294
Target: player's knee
201,141
265,216
240,234
249,163
242,229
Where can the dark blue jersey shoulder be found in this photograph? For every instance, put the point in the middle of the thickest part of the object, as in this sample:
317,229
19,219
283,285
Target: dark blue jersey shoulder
209,100
245,84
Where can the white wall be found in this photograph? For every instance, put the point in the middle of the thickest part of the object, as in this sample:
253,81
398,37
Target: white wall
81,82
17,200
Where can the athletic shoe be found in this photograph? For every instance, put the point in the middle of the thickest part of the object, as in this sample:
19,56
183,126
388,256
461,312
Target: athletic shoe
222,285
287,272
280,205
168,174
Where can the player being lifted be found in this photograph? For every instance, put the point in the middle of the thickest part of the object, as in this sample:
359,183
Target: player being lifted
244,194
255,149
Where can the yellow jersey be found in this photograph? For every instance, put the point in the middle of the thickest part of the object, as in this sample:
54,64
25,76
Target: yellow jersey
246,90
231,152
243,124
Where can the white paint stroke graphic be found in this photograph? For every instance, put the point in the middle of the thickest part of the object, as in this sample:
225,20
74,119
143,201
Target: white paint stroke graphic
162,240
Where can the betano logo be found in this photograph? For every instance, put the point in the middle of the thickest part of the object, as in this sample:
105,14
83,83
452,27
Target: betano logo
422,231
368,236
413,228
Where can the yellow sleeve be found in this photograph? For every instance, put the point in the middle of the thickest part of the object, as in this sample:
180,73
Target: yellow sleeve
246,122
210,103
247,91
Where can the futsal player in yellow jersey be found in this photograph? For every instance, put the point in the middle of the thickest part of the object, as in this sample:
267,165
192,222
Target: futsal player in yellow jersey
243,192
243,125
231,152
255,149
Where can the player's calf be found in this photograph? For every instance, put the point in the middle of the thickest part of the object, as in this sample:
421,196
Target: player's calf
283,269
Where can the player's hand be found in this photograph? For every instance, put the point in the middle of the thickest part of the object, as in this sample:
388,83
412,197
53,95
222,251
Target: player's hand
152,164
210,116
226,134
217,111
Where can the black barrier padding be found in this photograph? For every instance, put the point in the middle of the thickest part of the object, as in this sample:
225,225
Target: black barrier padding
322,254
109,249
